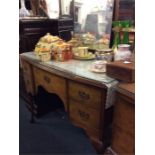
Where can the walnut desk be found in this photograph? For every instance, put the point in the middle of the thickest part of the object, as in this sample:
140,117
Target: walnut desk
87,96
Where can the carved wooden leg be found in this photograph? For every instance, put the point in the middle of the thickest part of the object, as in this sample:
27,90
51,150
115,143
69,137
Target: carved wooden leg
32,100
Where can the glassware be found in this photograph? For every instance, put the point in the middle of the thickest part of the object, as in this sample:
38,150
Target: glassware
126,25
116,28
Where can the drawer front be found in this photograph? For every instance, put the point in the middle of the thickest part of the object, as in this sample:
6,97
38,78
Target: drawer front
84,94
26,67
51,83
28,83
87,117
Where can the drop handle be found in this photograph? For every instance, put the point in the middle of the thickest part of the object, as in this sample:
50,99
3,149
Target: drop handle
83,115
47,79
84,95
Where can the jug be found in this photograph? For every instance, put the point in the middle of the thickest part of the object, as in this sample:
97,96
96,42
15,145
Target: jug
123,52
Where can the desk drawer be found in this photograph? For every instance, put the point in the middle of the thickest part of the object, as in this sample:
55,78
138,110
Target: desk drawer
88,117
84,94
26,67
51,83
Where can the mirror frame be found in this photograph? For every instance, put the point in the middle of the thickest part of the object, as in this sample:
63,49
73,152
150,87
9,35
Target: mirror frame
112,19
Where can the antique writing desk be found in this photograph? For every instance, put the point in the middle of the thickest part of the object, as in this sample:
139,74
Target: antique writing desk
87,96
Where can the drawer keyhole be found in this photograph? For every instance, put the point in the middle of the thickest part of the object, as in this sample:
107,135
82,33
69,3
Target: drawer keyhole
47,79
83,95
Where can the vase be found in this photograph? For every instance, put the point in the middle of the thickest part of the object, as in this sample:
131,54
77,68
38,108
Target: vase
123,53
23,12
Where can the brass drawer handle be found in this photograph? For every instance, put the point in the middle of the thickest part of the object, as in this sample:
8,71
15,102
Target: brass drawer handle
47,79
83,95
83,115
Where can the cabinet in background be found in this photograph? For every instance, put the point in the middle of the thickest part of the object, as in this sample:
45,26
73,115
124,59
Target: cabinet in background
124,10
30,30
123,135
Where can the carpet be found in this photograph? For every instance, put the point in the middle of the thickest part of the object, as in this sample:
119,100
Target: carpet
52,134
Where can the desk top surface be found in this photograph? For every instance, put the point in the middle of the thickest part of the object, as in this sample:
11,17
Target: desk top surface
127,89
74,67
